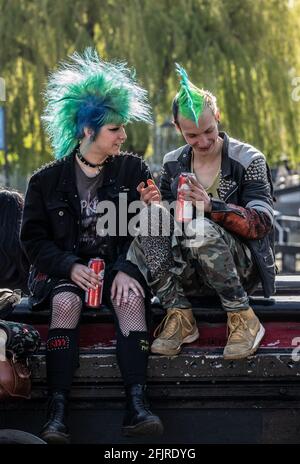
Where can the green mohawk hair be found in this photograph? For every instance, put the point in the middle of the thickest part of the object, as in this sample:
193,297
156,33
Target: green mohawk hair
190,99
89,92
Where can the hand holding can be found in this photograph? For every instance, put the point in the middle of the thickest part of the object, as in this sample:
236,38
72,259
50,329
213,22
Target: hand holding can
93,296
184,208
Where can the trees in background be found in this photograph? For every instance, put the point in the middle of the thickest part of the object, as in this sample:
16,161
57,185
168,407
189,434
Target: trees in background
246,52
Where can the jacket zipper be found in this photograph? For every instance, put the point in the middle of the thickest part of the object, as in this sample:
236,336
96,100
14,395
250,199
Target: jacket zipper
230,193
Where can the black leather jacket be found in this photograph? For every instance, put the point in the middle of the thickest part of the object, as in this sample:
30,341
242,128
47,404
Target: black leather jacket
51,220
245,181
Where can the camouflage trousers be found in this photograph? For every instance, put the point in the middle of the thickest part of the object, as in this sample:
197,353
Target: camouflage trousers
214,263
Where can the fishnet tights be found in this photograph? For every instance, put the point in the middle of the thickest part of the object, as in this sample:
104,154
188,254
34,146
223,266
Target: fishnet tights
66,309
131,315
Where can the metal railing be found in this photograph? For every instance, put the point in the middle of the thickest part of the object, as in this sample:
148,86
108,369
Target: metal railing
289,250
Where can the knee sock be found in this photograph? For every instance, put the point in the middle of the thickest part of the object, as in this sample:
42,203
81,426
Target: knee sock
132,355
62,358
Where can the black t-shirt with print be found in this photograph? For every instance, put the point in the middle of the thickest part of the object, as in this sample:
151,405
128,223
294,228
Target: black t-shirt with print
89,242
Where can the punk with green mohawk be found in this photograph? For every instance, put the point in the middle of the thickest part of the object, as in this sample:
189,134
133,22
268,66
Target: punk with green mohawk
89,92
79,210
230,182
191,101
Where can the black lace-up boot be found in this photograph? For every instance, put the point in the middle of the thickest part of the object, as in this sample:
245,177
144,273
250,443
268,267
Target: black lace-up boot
138,419
55,429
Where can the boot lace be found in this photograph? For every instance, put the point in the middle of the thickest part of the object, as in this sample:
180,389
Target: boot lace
172,322
56,408
237,327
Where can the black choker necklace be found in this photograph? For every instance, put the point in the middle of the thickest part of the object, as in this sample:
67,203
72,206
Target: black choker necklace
87,163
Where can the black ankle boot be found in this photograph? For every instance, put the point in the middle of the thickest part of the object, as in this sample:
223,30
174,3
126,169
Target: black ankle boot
138,419
55,429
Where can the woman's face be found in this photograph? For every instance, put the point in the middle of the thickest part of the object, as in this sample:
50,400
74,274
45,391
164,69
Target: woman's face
110,139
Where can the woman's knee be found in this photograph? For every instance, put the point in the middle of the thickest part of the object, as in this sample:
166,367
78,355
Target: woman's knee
66,309
131,315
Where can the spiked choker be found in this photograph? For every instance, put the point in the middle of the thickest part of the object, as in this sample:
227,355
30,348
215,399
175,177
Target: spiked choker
87,163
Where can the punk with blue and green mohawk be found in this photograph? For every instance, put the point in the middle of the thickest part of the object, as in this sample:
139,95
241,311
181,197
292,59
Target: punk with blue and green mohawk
89,92
191,101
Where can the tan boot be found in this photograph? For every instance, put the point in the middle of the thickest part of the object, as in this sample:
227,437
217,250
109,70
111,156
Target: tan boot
178,327
245,334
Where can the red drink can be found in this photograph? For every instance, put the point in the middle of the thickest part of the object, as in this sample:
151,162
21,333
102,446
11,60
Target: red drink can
93,296
184,208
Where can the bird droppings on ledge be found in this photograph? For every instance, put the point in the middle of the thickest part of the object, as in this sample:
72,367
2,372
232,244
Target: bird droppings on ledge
274,343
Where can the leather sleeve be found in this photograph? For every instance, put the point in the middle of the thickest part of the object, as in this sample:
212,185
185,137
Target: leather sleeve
36,239
245,222
165,186
253,217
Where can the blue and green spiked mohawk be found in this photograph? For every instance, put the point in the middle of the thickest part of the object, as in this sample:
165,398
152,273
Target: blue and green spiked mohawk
89,92
191,101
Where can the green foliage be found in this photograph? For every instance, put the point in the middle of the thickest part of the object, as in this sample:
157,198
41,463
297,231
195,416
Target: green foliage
245,51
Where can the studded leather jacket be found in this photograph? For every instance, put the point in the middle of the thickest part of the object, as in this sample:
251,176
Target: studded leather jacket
245,203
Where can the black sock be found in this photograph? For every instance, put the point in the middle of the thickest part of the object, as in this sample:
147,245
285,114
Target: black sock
132,355
61,358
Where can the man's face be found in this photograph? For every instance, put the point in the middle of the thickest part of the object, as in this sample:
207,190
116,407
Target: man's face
203,139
